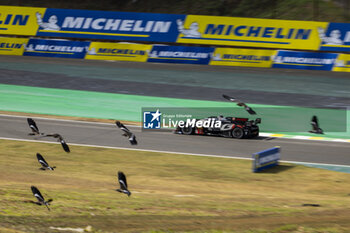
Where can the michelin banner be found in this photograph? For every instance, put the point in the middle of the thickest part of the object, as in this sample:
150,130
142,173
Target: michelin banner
171,28
249,32
118,51
108,25
343,63
56,48
175,54
242,57
19,20
335,38
180,54
12,46
304,60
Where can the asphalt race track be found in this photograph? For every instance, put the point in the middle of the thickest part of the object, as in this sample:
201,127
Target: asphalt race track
253,85
102,134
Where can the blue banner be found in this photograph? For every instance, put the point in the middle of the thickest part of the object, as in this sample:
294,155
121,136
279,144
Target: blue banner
266,159
335,38
180,54
304,60
109,25
56,48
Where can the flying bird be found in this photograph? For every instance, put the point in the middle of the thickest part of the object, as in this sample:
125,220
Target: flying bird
44,164
33,127
127,133
123,184
241,104
315,126
40,198
60,140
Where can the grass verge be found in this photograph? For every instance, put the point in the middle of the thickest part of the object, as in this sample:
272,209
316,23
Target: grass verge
171,193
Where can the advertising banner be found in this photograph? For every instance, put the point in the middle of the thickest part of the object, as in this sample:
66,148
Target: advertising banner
109,25
266,159
249,32
180,54
118,51
242,57
342,63
56,48
19,20
191,29
12,46
304,60
335,38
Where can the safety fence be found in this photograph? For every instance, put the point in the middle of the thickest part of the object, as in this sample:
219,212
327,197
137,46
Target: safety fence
172,28
175,54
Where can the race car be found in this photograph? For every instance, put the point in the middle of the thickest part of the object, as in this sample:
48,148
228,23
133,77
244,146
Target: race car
234,127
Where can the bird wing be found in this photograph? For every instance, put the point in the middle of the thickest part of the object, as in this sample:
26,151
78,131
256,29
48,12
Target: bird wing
65,146
241,104
122,185
315,126
132,139
250,110
33,125
314,122
127,132
122,180
123,127
42,160
54,135
37,194
229,98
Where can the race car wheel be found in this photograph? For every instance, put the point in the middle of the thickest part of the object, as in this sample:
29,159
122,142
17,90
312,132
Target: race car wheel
237,133
187,130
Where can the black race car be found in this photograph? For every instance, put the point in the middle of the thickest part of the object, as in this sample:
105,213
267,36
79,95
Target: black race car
230,127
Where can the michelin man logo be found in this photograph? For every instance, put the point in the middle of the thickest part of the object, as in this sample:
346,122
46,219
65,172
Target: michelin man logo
332,39
190,32
277,59
50,25
216,57
29,47
339,63
92,51
153,54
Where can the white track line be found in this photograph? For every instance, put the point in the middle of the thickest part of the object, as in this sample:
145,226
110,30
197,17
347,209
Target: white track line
127,148
174,152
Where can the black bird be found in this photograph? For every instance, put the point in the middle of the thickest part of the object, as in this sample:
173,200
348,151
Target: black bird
127,133
40,198
44,164
241,104
123,184
60,140
315,126
33,127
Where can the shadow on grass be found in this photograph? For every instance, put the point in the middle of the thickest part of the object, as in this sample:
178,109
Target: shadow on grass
277,169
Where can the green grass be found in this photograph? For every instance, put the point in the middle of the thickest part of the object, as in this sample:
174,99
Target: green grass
170,193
